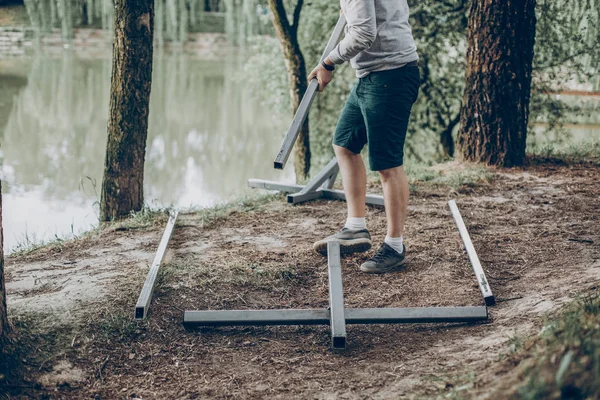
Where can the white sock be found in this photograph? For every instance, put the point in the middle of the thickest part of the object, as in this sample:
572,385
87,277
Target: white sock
395,243
355,224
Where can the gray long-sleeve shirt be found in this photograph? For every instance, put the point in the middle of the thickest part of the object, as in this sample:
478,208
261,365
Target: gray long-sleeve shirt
378,36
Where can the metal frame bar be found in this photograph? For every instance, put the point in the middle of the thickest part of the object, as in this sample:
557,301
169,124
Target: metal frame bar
336,296
307,100
143,303
484,286
325,174
352,316
328,184
318,187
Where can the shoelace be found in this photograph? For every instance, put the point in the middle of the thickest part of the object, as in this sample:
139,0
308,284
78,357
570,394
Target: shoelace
380,255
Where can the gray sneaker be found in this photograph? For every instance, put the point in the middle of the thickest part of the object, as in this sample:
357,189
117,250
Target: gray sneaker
384,260
350,242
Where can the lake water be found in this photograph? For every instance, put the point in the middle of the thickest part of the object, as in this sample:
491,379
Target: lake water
207,136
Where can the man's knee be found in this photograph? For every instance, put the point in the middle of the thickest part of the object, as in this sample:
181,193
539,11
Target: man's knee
391,173
343,152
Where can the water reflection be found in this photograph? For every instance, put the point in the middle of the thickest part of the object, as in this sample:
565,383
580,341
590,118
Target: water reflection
206,138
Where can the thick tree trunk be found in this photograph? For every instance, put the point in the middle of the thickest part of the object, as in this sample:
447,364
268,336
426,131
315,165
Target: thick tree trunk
4,327
500,40
296,69
123,184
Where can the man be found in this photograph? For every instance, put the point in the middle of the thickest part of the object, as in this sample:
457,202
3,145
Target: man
380,47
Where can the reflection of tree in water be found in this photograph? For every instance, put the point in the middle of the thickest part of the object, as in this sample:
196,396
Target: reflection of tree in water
199,115
56,132
10,86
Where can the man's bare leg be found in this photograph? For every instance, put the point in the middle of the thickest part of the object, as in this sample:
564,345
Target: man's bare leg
354,237
354,180
395,195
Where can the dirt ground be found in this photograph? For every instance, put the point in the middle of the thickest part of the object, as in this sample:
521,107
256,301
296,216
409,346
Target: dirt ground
536,231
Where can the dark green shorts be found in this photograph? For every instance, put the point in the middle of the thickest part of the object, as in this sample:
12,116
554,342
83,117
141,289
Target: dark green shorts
377,113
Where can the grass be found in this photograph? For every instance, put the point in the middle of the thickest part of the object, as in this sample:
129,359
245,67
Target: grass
147,217
575,152
566,355
453,386
450,174
118,326
210,216
30,243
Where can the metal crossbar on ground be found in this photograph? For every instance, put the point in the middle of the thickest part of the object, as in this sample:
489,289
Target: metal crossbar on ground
143,303
484,286
409,315
320,187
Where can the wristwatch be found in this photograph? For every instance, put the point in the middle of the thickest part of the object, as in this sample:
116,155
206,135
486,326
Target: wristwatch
327,66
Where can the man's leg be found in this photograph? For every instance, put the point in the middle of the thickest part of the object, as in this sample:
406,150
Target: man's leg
389,96
354,237
395,194
392,252
349,139
354,180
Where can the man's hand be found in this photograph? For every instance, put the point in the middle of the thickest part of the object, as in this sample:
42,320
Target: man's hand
323,76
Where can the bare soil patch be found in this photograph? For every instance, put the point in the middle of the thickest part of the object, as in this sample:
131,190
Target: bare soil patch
536,232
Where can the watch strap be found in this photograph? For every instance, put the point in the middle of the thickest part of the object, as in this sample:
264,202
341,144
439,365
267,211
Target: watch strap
327,66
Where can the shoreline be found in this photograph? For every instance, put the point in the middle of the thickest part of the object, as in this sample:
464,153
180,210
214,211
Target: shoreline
19,41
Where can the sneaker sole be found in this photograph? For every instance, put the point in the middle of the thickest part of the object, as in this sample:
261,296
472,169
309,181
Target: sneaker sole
383,270
346,246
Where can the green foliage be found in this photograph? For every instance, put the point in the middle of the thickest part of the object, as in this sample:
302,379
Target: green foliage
439,29
565,52
110,326
447,174
574,152
264,74
568,354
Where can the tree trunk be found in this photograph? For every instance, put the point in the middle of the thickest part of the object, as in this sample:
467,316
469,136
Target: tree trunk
446,138
296,69
500,40
123,183
3,314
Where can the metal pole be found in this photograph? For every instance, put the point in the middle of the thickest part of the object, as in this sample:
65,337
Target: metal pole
321,177
306,102
336,296
256,317
311,191
323,317
273,185
484,285
371,199
328,184
330,194
415,315
143,303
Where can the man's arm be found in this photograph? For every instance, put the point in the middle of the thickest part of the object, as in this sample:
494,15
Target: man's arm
360,32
